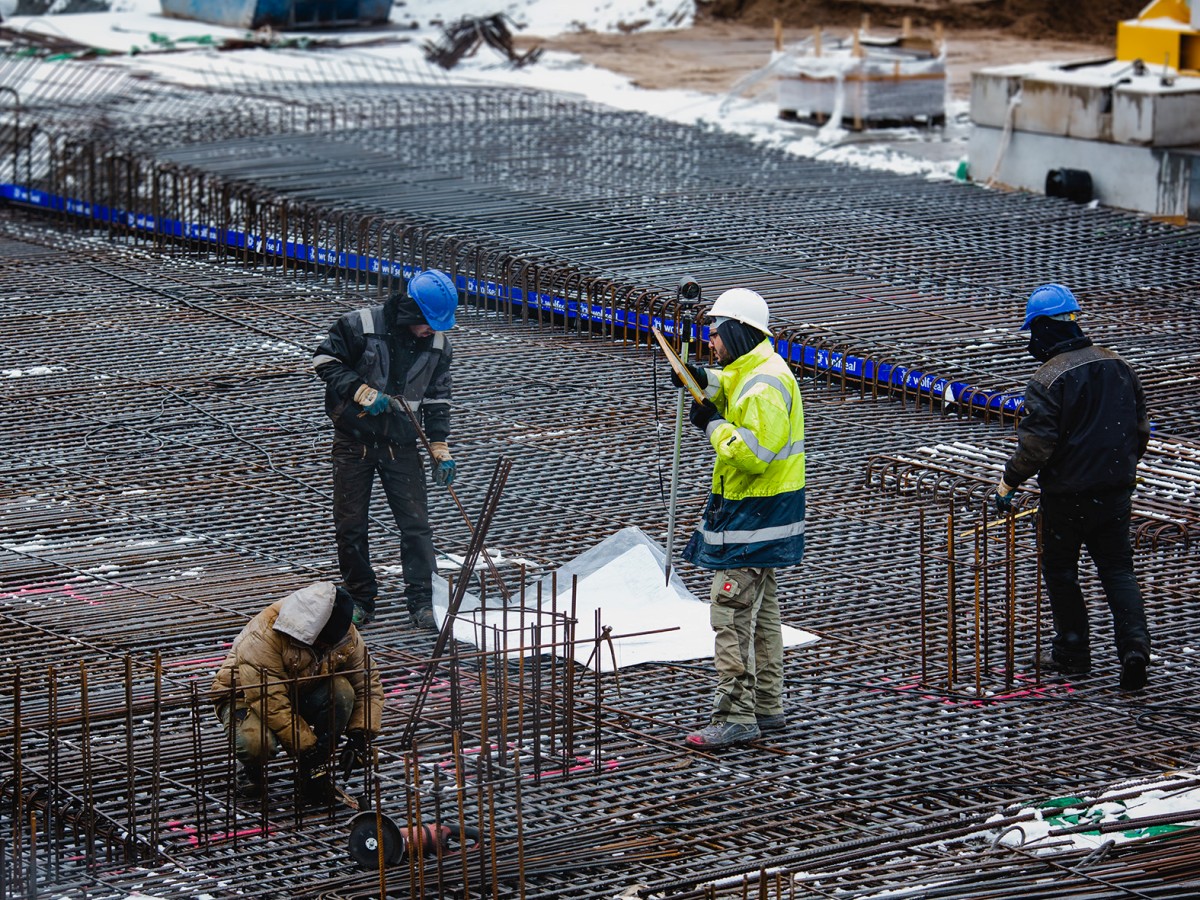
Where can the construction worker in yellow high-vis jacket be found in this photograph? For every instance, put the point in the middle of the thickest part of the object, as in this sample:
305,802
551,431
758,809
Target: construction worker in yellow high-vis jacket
754,521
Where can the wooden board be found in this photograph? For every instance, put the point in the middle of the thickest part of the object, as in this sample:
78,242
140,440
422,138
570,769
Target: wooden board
681,369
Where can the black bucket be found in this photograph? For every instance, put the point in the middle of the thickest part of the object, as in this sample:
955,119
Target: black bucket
1072,184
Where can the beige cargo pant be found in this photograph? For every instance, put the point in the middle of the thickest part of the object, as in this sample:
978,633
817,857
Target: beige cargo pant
748,651
254,744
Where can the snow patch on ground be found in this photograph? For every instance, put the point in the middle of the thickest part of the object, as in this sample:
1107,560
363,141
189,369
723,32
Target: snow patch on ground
153,41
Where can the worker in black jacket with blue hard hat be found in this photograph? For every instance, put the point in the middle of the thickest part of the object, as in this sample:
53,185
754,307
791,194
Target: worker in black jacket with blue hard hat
371,358
1085,428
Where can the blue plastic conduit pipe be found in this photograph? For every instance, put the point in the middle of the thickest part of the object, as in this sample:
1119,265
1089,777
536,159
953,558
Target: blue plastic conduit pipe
816,359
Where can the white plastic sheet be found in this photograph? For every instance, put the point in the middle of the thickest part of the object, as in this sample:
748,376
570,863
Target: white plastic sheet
647,620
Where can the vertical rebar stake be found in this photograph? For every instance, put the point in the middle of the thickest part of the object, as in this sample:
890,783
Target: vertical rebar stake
85,748
130,763
1010,605
1037,599
52,714
156,757
921,550
951,611
198,767
18,788
978,575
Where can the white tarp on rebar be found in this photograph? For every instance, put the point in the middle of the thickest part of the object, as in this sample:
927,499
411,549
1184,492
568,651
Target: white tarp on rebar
619,584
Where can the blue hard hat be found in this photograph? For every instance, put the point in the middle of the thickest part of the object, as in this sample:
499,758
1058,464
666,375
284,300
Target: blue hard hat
436,296
1049,300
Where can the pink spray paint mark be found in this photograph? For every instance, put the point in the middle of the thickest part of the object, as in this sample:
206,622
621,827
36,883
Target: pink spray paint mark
584,764
66,590
198,661
216,837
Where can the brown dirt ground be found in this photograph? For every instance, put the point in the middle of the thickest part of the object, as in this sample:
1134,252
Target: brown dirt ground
1069,19
717,51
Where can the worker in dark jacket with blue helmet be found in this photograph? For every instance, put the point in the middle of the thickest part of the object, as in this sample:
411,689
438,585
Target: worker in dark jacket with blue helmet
1085,428
371,358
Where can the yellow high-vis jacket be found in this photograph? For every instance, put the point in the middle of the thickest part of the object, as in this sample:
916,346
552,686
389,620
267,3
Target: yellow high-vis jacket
755,513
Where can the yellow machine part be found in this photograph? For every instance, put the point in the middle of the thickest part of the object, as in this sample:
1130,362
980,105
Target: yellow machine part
1156,43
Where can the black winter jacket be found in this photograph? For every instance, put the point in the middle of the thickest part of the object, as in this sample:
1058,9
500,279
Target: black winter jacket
1085,424
374,346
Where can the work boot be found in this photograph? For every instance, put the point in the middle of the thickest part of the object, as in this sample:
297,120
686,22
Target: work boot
1133,671
251,782
772,722
362,616
723,734
1051,663
317,790
423,617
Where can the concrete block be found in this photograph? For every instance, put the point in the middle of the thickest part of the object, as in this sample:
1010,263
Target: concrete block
1167,117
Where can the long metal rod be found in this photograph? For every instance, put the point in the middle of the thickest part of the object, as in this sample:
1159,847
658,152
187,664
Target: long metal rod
674,501
491,501
402,403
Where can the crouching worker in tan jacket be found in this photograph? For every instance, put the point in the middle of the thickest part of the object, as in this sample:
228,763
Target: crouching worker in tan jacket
297,678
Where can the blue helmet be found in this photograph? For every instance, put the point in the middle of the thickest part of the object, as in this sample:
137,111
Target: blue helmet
436,296
1049,300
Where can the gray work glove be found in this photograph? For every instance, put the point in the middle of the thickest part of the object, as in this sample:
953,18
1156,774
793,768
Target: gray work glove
1004,497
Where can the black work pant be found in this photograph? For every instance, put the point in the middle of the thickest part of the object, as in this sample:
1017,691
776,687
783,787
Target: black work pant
1099,522
402,474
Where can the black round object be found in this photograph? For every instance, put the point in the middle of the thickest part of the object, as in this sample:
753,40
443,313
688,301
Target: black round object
1071,184
689,288
364,843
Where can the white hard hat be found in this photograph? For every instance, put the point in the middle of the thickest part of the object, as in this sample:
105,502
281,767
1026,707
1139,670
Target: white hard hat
744,305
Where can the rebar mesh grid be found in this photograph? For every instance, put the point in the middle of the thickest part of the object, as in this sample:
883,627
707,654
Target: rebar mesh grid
167,476
556,197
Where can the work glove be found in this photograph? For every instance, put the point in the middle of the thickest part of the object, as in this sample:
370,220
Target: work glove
444,468
313,760
702,413
1004,497
372,401
699,373
354,752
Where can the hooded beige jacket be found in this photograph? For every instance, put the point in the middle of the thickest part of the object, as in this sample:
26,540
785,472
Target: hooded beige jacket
269,659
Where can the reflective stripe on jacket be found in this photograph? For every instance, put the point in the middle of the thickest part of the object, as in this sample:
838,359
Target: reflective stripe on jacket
755,512
356,351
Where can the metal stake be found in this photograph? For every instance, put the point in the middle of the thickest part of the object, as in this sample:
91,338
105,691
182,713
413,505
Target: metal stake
687,295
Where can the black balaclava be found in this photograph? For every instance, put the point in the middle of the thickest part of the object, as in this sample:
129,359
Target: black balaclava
739,338
403,310
1049,337
339,620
